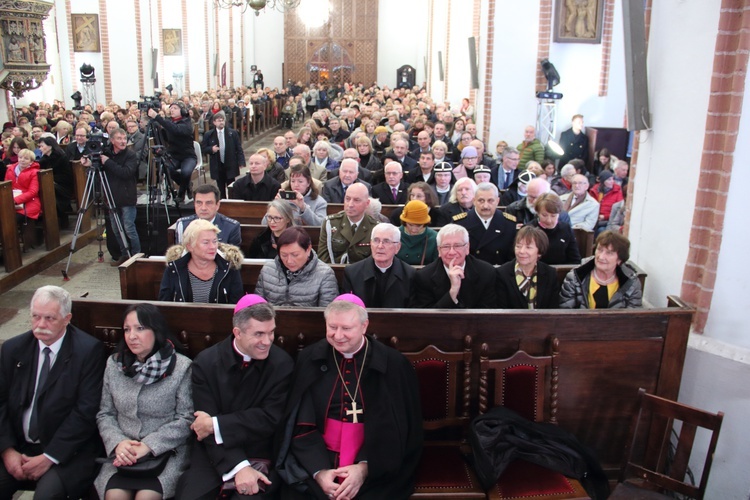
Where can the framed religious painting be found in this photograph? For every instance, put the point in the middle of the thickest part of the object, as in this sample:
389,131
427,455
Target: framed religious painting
172,42
578,21
85,32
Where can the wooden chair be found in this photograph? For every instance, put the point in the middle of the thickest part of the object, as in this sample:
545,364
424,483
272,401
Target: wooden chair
443,471
649,467
522,383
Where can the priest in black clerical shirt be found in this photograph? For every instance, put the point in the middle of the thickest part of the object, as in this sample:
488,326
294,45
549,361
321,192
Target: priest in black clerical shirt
239,389
353,426
381,280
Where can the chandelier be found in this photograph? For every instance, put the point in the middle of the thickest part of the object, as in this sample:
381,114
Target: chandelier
258,5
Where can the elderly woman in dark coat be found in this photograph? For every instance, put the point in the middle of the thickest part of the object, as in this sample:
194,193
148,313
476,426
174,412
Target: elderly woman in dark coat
526,282
203,270
146,408
605,281
563,247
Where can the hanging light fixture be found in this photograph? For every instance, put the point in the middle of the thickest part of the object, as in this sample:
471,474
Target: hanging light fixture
259,5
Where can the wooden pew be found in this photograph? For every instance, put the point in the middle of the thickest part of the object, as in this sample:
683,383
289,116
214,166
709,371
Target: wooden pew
8,229
585,240
252,212
249,232
140,278
48,219
605,356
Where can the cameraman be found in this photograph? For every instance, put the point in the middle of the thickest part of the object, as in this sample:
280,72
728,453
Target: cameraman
121,169
180,138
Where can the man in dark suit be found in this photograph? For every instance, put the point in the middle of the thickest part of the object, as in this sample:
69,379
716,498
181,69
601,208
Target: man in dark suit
381,280
507,172
206,203
77,148
491,233
393,190
457,280
50,390
425,171
399,152
574,142
224,147
335,188
239,390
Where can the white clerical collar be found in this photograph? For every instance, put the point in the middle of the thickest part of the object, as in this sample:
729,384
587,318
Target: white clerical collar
383,269
245,357
350,355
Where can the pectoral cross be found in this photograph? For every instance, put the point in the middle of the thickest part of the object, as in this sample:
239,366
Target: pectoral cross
354,412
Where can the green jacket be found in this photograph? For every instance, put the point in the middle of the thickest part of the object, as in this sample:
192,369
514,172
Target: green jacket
532,151
336,238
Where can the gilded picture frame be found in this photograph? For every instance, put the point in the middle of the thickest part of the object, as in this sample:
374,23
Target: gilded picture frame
578,21
172,42
85,32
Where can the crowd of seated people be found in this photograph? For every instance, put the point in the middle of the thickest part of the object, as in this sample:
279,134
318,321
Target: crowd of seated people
399,145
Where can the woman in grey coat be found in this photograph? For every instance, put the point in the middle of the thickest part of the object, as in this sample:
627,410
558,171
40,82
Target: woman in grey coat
296,277
605,281
146,408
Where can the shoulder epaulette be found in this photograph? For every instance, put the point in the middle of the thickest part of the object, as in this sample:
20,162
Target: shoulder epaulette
510,217
460,216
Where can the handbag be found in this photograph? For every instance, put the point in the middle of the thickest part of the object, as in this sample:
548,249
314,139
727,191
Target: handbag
145,467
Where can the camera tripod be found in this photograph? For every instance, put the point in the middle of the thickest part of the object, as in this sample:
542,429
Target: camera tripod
92,196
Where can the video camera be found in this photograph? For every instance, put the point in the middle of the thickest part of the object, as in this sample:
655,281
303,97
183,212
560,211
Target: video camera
150,102
96,143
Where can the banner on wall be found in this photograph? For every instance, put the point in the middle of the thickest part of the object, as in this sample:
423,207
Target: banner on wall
224,75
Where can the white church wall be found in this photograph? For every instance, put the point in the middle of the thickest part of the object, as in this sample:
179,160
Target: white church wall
439,36
402,32
123,54
459,74
268,53
514,71
714,381
681,50
198,69
727,321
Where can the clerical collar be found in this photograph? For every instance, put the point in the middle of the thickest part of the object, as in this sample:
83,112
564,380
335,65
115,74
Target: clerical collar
442,190
352,354
245,357
382,269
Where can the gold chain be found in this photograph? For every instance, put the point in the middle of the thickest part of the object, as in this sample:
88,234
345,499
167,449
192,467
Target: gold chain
359,377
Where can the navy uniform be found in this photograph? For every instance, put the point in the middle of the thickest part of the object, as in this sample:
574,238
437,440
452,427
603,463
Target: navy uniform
494,244
338,244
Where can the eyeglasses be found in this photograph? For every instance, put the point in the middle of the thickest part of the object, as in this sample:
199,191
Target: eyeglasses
273,218
454,247
378,241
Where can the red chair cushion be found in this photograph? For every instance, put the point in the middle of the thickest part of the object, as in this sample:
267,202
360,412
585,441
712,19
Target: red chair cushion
521,389
443,467
433,388
524,479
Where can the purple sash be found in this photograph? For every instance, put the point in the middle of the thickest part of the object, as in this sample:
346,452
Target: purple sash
345,438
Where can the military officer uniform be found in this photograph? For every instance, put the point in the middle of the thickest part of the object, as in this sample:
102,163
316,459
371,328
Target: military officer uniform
338,244
495,244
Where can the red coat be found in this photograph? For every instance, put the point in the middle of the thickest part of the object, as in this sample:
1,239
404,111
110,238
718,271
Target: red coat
607,200
28,182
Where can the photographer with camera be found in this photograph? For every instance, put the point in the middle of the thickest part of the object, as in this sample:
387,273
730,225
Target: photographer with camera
180,139
120,165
